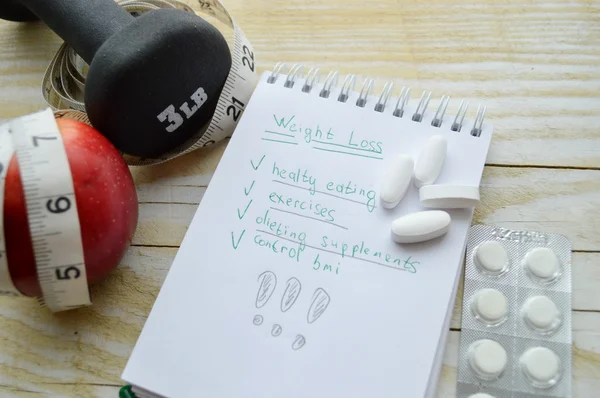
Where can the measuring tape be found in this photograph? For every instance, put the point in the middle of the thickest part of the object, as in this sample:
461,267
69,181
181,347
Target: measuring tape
49,193
51,210
64,80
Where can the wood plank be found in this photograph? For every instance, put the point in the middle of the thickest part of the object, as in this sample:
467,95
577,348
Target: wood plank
88,345
534,64
554,201
78,351
549,200
541,87
65,390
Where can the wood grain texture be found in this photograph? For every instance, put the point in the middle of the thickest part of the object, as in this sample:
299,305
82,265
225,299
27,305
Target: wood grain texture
89,347
534,64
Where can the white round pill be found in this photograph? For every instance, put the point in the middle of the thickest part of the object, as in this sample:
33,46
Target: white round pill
487,358
481,395
542,263
541,313
491,257
490,306
541,366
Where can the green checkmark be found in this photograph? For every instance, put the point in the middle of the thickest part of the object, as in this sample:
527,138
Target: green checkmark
259,163
241,215
233,242
247,191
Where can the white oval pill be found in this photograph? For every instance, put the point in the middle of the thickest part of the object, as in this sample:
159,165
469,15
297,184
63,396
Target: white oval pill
491,257
446,196
490,306
397,180
420,226
541,313
487,358
542,264
541,366
430,161
481,395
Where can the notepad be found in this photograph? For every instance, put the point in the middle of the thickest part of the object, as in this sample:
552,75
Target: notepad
287,283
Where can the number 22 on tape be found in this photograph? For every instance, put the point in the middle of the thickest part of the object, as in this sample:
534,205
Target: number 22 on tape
51,211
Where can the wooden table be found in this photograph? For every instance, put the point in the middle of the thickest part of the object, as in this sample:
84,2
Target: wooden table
536,65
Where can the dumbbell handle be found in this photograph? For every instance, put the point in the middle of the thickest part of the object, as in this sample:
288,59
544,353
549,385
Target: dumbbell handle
84,24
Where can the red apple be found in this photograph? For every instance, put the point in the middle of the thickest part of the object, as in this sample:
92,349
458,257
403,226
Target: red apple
106,200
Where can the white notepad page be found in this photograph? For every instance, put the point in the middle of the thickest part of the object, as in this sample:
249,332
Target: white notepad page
287,283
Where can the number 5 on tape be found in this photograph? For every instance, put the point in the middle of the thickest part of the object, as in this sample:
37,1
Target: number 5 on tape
51,211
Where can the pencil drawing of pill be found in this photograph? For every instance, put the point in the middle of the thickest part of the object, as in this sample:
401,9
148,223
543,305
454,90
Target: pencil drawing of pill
318,305
298,342
268,281
292,291
258,320
276,330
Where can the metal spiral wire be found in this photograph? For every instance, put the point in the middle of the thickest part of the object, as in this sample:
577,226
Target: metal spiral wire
400,108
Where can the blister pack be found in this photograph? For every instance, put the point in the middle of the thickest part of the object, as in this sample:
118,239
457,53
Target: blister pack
516,315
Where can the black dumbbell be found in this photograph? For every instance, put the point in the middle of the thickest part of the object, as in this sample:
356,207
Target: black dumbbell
13,10
153,80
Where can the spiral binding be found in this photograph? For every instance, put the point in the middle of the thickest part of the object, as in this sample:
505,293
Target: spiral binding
349,84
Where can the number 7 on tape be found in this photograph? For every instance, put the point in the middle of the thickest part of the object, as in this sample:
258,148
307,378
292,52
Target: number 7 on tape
51,211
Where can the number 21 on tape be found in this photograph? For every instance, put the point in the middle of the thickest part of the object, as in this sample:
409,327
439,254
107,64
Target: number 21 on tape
174,119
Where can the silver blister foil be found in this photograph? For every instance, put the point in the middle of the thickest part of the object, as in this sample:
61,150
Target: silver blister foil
537,322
